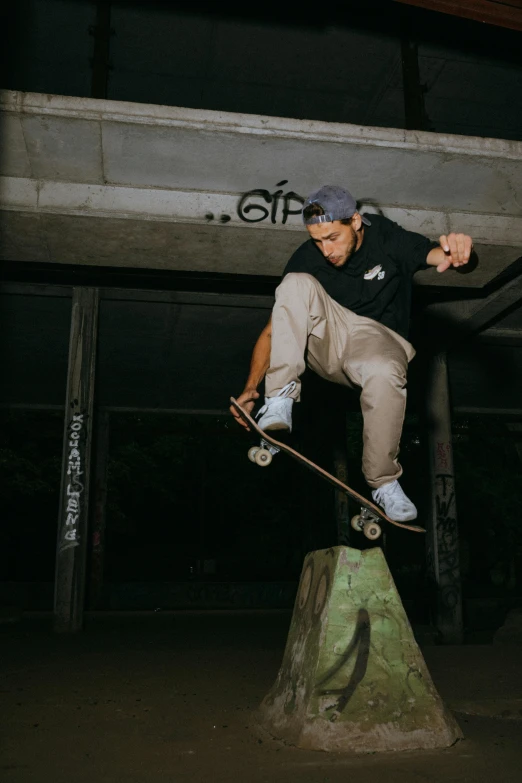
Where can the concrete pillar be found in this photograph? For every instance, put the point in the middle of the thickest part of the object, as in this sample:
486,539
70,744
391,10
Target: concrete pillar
352,677
74,495
442,538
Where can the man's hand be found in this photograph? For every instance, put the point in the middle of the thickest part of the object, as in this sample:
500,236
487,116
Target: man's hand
247,400
457,250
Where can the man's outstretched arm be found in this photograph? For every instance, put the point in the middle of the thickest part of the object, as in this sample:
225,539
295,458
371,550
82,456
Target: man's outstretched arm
454,250
259,364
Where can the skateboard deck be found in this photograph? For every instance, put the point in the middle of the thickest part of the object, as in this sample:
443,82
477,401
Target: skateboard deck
367,521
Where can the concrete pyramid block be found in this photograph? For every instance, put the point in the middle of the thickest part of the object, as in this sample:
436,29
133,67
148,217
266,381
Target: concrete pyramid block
352,676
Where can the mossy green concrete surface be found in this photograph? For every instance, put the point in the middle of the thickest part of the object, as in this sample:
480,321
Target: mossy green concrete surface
352,677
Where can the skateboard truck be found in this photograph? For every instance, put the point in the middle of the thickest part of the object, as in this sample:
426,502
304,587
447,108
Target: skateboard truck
262,455
366,522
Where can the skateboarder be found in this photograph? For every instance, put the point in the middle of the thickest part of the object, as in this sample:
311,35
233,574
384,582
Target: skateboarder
343,308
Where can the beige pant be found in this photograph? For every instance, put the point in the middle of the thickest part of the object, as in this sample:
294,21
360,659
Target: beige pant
348,349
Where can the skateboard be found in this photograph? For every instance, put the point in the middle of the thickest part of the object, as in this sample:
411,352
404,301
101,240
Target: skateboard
367,521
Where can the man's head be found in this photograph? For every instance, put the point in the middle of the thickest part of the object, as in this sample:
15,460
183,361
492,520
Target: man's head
331,217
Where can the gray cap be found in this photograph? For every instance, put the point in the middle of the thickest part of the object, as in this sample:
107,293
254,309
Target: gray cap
338,204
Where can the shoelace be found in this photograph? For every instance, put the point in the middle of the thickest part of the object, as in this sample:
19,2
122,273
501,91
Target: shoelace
381,492
285,392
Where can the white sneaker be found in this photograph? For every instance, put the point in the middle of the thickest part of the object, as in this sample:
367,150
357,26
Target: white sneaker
395,503
276,413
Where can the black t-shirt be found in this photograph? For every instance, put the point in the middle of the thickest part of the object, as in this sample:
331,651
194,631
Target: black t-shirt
376,281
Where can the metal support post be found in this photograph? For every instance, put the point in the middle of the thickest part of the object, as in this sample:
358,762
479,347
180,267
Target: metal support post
74,495
442,535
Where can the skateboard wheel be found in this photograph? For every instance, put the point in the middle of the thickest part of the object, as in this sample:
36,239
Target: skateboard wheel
252,453
262,457
356,522
372,530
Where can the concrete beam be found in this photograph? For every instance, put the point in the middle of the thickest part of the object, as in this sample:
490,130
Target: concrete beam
46,196
498,302
100,169
472,315
223,248
72,544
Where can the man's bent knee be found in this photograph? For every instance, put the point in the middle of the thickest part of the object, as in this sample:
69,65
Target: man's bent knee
386,369
298,280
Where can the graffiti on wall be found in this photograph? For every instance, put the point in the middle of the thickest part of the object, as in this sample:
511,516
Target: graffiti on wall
251,206
443,459
259,204
447,541
75,486
359,646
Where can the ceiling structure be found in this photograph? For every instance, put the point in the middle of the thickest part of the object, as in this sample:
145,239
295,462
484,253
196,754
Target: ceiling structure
100,182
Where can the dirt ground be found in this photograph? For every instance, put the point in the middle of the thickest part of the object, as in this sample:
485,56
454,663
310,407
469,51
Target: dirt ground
170,697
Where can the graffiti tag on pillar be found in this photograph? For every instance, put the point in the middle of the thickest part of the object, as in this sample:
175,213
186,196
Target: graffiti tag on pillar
360,646
443,456
259,204
447,541
75,486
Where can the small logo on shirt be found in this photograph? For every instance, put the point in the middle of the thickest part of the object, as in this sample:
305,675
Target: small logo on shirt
377,272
